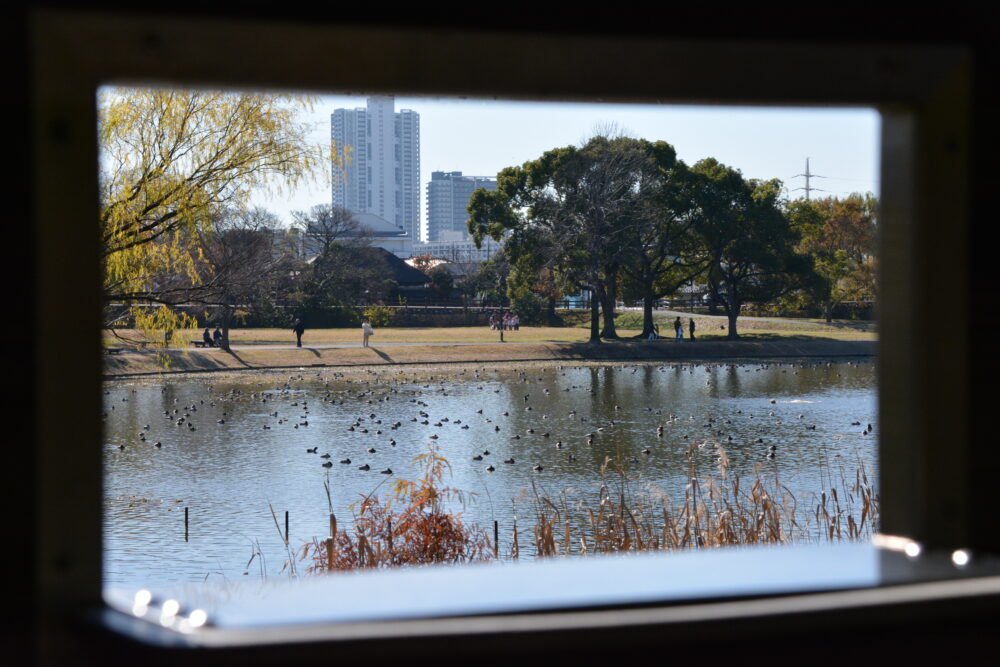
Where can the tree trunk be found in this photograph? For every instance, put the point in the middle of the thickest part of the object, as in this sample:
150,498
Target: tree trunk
732,312
550,312
595,318
607,296
227,316
828,311
647,314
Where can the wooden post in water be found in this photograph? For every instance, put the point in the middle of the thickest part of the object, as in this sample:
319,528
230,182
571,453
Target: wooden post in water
330,541
185,524
286,526
390,537
496,539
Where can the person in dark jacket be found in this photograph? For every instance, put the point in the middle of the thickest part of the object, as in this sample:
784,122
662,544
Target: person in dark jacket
207,337
691,328
299,329
217,337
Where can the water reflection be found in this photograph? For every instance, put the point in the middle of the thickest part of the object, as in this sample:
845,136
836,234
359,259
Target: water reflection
232,448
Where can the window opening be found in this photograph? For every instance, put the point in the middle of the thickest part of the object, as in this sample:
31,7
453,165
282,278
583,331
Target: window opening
567,448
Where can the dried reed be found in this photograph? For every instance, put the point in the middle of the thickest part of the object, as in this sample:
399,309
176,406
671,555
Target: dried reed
716,510
420,532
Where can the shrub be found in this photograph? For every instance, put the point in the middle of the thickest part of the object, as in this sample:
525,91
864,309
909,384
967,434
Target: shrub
528,306
380,315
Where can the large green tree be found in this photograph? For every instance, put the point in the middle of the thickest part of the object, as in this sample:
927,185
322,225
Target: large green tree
660,250
565,213
747,239
839,234
169,159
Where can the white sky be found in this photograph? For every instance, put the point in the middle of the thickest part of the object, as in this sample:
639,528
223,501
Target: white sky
481,137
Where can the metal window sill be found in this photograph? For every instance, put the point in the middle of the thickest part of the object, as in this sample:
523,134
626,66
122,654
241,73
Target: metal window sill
669,593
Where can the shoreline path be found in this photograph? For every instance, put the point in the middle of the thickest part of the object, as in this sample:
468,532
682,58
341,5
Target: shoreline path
348,355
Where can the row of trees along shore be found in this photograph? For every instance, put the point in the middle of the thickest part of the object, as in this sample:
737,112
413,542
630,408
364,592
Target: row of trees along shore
620,217
624,217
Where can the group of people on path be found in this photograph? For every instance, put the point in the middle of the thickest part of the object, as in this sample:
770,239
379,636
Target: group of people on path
212,339
506,322
678,330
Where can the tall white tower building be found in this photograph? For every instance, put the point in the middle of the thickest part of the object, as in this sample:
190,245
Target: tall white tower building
448,195
382,174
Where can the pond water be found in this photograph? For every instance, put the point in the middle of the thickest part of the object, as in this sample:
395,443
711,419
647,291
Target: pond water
232,448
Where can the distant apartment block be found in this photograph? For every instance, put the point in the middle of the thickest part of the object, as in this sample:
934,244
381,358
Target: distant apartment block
457,248
448,194
382,174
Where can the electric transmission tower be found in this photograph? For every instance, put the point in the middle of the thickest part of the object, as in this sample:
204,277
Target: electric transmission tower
808,175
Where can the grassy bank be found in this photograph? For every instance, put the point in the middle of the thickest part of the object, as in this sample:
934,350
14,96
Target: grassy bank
629,324
250,358
713,327
352,336
274,348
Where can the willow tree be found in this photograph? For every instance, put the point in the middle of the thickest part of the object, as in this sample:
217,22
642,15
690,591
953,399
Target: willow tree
170,159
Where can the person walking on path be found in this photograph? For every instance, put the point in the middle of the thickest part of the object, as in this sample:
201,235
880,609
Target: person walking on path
207,337
299,329
691,329
366,331
217,337
678,330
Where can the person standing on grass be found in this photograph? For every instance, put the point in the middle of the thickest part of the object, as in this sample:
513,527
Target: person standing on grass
366,331
299,329
678,330
691,329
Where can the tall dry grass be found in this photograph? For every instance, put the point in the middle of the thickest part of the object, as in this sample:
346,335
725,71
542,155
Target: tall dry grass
410,526
716,509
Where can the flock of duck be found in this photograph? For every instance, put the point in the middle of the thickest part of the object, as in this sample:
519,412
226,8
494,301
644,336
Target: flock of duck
549,428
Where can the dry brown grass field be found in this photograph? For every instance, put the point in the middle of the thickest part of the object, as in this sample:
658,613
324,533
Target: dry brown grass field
708,328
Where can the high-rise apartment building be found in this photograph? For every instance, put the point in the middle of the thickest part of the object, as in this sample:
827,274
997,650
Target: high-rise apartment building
382,171
448,194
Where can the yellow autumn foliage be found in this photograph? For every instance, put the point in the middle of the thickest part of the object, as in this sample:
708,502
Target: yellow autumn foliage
168,159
